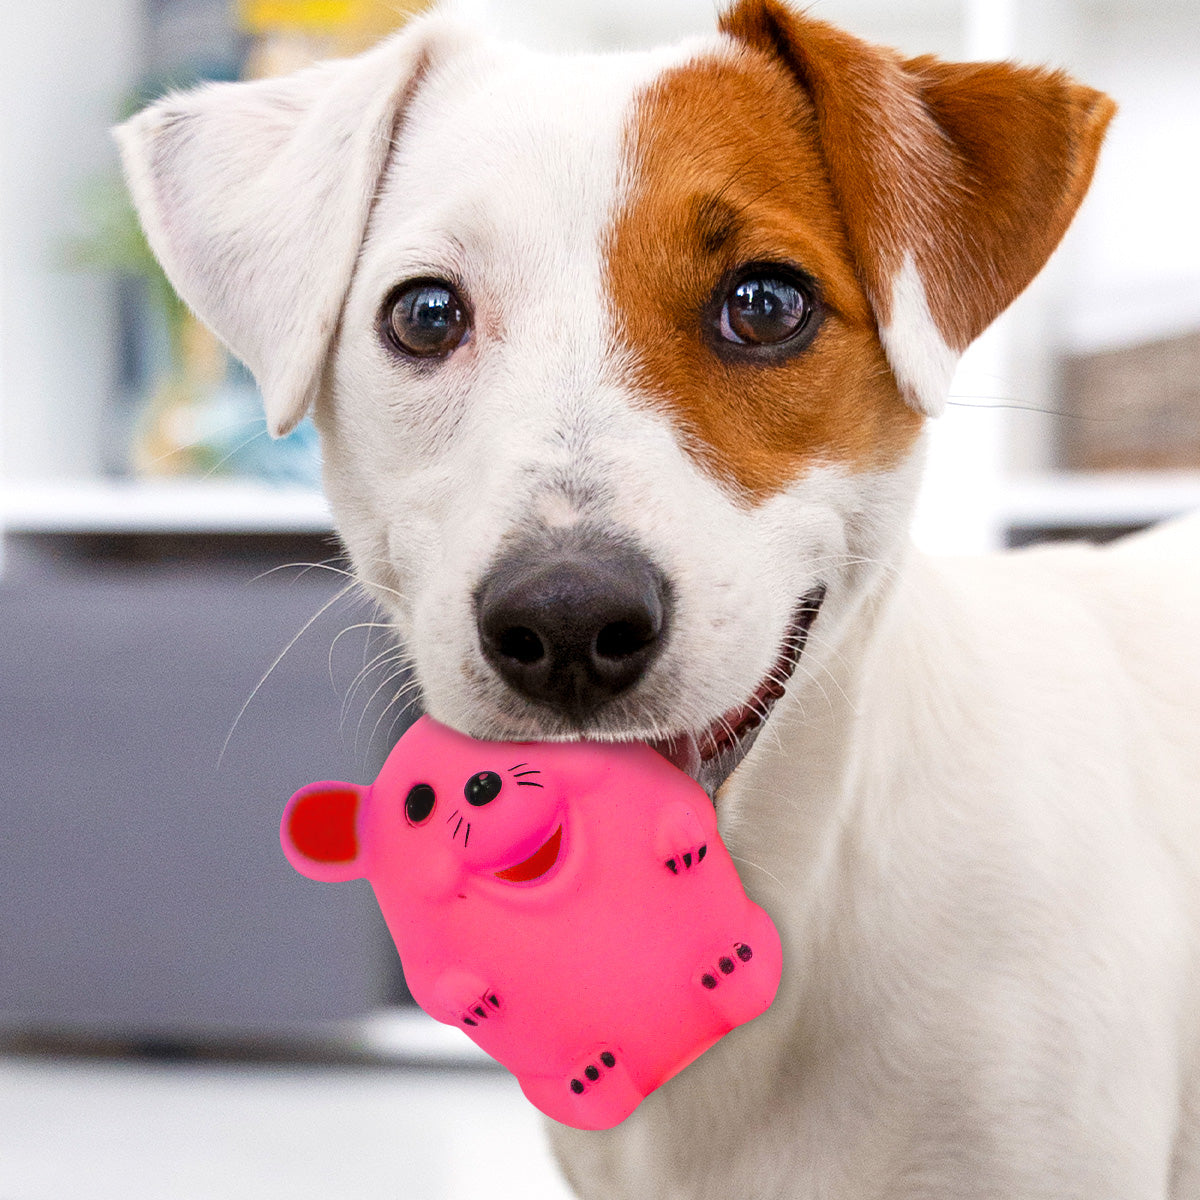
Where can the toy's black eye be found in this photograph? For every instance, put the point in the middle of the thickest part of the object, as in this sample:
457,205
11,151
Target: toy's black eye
765,306
418,806
483,788
426,319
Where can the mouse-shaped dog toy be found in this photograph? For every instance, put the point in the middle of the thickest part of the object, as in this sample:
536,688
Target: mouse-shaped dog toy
570,906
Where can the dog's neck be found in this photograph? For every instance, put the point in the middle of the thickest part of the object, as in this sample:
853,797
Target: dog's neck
782,810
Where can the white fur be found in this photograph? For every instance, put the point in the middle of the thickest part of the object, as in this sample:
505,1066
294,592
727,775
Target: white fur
918,354
973,816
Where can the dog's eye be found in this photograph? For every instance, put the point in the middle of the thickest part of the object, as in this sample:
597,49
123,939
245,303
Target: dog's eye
765,306
418,805
426,319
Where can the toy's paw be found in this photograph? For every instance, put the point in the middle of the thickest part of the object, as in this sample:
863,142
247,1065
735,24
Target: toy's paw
716,977
682,844
464,999
598,1094
685,860
592,1072
480,1009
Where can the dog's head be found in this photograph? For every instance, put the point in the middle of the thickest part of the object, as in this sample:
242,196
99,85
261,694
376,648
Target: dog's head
620,363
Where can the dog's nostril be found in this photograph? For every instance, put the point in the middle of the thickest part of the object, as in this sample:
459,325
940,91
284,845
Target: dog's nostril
620,639
521,644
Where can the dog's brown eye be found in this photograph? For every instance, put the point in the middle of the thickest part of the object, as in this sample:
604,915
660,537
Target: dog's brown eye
764,306
426,319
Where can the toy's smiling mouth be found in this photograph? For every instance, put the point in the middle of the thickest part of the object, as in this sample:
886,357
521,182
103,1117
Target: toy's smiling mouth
537,864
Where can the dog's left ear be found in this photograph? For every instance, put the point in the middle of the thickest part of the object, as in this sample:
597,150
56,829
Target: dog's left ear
956,180
255,197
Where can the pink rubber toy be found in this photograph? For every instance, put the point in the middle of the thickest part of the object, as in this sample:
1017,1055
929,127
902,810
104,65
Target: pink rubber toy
569,905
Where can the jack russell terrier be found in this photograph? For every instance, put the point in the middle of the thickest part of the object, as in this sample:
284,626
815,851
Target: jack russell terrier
620,365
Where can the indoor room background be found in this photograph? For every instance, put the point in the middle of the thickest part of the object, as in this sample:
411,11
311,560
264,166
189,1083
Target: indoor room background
180,647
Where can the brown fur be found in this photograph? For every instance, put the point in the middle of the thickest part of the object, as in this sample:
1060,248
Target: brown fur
974,168
728,171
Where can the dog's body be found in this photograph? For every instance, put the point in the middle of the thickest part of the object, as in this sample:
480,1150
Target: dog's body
985,841
620,366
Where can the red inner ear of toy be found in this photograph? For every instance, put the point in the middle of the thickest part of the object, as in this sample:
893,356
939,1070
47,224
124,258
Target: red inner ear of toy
322,826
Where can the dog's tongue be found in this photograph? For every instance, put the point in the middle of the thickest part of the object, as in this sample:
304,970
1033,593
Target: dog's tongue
681,751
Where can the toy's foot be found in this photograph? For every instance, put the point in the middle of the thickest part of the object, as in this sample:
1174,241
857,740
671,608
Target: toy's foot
720,980
476,1011
599,1094
685,860
682,845
463,998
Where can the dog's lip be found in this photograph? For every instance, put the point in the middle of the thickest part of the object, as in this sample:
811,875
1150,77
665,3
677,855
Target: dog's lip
691,751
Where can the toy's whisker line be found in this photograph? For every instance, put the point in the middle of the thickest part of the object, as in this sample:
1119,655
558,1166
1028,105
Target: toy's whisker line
467,837
518,765
457,828
452,816
527,783
522,774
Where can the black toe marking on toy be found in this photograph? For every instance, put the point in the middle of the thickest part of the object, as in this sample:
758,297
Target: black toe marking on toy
468,1021
726,965
577,1086
708,981
593,1073
743,952
494,1001
608,1060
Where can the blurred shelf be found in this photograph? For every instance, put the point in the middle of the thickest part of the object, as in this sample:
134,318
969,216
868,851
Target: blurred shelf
161,506
1098,499
1055,500
406,1034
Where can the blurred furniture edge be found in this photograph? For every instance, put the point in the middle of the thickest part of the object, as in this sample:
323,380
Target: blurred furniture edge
144,895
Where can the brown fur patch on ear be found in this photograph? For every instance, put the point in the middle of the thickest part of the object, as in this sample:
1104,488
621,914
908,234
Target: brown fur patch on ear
974,169
726,171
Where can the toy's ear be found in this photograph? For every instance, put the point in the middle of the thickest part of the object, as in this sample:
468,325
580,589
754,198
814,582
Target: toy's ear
319,831
255,198
956,180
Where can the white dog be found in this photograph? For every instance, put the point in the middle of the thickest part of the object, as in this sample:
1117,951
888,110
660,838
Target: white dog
621,365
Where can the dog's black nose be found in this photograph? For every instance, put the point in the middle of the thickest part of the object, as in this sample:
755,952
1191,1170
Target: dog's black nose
574,626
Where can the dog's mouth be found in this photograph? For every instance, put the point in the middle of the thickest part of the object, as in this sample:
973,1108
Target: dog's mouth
711,754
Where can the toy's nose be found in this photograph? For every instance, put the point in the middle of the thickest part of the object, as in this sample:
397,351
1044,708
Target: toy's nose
572,629
483,788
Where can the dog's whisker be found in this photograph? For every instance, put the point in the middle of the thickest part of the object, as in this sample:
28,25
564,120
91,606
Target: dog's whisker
302,568
407,685
370,625
340,595
259,433
399,697
395,666
756,866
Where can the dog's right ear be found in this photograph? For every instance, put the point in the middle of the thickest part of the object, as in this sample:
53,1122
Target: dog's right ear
956,180
255,197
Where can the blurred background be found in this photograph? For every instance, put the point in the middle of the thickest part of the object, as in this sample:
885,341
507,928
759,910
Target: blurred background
180,1013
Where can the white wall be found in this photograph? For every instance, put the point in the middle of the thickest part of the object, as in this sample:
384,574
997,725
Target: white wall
1140,276
64,65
